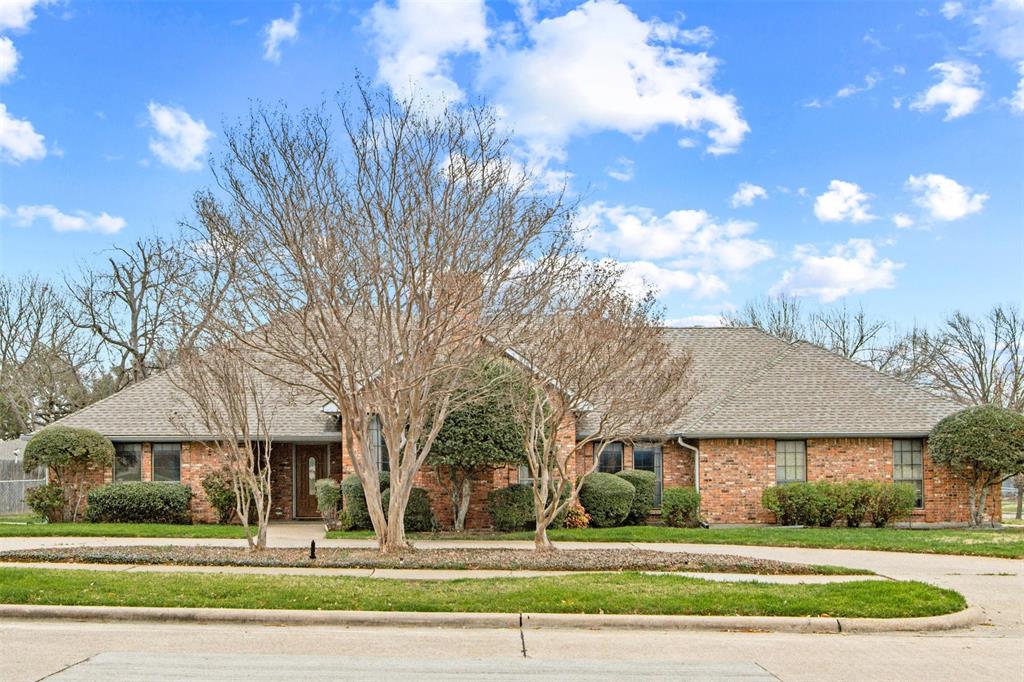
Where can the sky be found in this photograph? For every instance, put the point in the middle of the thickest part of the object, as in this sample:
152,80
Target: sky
843,153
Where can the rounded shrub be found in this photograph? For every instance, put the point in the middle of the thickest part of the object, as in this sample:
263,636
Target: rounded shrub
890,502
680,507
140,503
607,498
644,483
328,500
576,516
354,500
69,454
511,508
419,514
853,500
220,494
46,501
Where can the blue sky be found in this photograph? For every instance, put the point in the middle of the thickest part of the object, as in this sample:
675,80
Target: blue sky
863,153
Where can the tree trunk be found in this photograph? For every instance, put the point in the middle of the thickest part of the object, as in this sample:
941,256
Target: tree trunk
394,536
979,509
1020,502
463,507
540,539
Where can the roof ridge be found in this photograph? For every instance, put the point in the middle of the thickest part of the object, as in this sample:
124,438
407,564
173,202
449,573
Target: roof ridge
878,372
743,383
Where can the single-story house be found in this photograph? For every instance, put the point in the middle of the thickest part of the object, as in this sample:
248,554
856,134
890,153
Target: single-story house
765,412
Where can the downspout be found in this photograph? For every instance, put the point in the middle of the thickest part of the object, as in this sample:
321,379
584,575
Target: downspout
696,461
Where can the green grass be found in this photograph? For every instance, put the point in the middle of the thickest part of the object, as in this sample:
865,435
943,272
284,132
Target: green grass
1007,543
19,518
631,593
119,530
1010,512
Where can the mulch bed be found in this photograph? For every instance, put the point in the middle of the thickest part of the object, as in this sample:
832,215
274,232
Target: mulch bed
462,558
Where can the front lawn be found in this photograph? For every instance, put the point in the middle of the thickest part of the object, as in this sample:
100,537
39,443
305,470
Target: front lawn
1006,543
630,593
119,530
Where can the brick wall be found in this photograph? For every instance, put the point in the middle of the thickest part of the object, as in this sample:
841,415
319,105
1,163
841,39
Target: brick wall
734,472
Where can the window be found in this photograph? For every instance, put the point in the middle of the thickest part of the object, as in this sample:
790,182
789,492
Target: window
166,461
524,477
611,458
128,462
647,456
378,448
790,461
908,465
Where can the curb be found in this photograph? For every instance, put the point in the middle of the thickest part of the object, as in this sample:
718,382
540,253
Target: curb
535,621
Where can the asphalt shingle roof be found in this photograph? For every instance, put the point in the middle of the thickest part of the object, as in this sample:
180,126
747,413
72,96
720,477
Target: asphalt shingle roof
747,383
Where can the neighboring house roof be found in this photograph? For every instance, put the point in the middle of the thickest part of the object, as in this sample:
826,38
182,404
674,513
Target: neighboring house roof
747,384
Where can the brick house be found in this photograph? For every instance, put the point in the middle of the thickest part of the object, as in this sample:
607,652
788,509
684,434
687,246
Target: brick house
764,411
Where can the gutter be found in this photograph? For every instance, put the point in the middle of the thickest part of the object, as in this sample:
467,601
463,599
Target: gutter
696,461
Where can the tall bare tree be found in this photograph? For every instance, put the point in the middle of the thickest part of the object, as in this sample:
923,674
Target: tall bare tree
595,352
227,408
45,363
781,316
980,360
129,305
376,264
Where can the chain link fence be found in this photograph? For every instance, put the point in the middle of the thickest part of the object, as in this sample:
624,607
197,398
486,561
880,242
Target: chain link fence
14,481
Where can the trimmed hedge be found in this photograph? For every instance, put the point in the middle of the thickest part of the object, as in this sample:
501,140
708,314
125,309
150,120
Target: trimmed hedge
221,495
607,498
645,484
511,509
147,502
328,500
419,515
354,500
680,507
822,503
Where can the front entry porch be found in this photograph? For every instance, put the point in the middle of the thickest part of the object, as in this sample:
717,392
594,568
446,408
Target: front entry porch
295,467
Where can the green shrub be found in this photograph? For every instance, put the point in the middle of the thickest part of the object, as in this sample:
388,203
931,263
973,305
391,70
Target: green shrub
69,454
419,515
140,503
890,502
511,508
328,501
854,498
220,494
46,501
680,507
825,502
354,500
607,498
644,483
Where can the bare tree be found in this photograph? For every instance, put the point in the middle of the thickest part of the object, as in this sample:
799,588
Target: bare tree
45,363
227,410
848,333
781,316
377,265
593,351
980,361
129,305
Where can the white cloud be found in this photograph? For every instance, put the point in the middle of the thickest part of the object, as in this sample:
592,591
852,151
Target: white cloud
686,142
692,236
944,198
843,201
638,276
1017,101
8,59
702,35
951,10
279,31
1000,27
16,15
957,90
870,39
746,194
415,41
622,170
181,140
813,104
78,221
709,320
850,268
899,70
600,67
18,139
870,81
902,220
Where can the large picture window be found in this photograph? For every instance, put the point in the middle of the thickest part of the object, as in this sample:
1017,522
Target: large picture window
790,461
611,458
908,465
647,457
167,462
128,461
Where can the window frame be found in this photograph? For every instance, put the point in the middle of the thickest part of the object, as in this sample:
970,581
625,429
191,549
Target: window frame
114,475
153,456
523,475
901,468
378,446
798,466
657,467
600,452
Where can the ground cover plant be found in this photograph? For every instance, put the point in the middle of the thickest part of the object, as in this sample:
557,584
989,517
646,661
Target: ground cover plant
605,593
120,530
